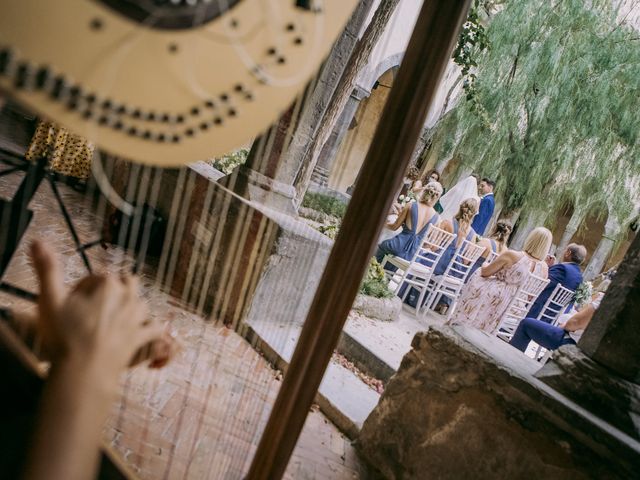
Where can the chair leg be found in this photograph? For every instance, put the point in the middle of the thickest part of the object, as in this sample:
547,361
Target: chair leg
401,281
423,293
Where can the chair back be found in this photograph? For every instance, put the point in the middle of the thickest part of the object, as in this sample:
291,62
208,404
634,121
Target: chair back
556,304
465,257
492,256
521,303
434,244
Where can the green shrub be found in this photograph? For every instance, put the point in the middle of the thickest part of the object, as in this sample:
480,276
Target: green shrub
375,283
375,288
325,204
228,162
330,231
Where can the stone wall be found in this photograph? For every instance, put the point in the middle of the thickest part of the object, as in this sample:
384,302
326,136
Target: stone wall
216,244
466,405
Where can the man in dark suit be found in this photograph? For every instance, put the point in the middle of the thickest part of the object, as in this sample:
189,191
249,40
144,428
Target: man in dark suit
567,274
487,205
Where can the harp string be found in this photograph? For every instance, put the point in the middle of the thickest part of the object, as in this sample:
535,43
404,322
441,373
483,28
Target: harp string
144,185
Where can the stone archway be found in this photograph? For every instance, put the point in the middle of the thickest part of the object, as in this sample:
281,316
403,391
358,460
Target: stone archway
392,63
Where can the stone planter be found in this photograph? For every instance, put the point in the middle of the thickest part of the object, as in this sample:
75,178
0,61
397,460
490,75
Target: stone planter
385,309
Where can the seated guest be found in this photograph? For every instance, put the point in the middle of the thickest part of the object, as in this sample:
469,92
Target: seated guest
496,243
551,337
460,226
567,274
486,297
415,219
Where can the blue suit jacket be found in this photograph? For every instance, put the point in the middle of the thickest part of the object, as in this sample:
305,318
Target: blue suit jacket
485,212
566,274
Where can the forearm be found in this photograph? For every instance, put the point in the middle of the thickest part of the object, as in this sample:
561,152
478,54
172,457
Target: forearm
74,406
580,320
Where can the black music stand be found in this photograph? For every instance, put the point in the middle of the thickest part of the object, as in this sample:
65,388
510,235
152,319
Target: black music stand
15,215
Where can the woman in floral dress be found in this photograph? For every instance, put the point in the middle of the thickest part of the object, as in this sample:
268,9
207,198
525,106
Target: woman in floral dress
486,297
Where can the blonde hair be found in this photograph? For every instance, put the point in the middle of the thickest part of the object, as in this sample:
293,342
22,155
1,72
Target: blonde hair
431,192
467,210
413,173
538,243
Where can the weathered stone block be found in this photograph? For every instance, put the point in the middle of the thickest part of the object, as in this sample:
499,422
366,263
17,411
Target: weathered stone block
385,309
466,405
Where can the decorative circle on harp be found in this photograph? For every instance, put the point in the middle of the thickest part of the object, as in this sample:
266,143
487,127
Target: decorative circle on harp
135,78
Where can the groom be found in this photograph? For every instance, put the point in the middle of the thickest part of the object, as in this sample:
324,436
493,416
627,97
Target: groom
487,205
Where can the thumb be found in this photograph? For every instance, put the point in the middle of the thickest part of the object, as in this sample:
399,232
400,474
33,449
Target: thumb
50,277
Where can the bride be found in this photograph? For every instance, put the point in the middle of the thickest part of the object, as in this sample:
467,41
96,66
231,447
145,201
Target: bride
450,201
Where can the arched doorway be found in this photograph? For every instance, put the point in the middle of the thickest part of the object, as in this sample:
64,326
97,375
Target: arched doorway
355,145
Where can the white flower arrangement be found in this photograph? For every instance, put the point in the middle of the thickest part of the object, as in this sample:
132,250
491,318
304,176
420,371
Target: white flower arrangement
584,292
408,198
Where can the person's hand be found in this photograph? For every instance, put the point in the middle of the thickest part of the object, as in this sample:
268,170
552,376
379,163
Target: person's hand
550,260
99,312
104,321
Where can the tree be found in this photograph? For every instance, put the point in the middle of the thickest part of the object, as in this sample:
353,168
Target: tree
553,113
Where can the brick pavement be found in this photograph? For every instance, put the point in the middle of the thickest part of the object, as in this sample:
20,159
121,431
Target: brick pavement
201,416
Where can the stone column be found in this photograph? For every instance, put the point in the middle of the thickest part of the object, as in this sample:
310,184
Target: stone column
328,153
442,164
572,227
277,157
603,250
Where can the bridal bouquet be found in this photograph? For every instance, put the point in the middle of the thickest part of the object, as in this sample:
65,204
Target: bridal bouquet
408,198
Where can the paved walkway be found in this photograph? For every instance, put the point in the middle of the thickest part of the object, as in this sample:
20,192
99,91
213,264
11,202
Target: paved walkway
389,341
201,416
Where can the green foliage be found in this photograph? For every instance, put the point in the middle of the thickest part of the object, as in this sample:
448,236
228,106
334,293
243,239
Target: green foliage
325,204
330,231
227,163
558,90
374,283
471,43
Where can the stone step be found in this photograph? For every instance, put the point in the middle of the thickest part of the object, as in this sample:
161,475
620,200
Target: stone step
342,397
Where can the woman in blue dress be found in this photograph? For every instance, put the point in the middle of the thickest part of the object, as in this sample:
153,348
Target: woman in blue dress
460,226
415,219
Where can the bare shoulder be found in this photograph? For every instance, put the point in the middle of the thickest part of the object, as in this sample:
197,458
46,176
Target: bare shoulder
511,256
446,225
484,242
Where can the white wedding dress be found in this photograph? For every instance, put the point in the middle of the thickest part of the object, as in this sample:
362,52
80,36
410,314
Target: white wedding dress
450,201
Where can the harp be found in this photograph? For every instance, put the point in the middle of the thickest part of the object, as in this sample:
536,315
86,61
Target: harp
204,416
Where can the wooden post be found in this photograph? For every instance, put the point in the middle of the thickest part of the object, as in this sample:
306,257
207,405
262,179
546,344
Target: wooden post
409,101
